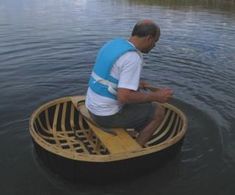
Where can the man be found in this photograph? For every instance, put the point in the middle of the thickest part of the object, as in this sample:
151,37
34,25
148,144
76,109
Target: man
113,98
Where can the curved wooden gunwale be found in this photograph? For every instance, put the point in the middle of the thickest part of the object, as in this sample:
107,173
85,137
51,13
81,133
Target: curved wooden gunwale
86,156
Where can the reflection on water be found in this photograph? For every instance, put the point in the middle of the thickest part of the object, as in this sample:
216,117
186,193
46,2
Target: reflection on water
47,49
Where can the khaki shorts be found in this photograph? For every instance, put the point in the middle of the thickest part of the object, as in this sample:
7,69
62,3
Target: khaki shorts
135,116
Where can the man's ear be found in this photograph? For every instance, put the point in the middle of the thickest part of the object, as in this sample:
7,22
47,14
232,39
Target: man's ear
149,37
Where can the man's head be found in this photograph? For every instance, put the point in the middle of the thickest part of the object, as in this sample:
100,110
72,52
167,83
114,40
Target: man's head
144,35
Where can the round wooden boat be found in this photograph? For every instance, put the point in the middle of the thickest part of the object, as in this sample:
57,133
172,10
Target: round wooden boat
72,145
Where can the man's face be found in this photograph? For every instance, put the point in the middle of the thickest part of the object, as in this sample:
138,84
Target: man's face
150,42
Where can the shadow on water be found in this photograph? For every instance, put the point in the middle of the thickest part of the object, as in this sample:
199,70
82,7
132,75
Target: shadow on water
189,168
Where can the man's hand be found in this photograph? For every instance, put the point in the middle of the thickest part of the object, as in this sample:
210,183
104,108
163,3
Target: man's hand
162,95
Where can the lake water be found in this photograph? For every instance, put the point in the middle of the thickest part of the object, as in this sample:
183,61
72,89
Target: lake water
47,48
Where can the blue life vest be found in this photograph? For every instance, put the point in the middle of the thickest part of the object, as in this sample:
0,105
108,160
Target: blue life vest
101,81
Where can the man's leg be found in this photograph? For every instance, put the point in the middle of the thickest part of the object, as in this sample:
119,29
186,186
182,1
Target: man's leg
150,128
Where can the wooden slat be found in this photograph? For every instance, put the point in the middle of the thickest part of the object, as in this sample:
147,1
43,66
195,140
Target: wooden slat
63,118
50,128
71,144
180,126
163,122
72,117
72,125
47,120
55,119
165,130
55,124
86,132
42,126
174,128
87,135
80,122
43,136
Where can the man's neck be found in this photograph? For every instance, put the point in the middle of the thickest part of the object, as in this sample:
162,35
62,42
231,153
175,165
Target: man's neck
136,42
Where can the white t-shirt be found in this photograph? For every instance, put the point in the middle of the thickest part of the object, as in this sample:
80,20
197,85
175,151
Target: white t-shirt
126,70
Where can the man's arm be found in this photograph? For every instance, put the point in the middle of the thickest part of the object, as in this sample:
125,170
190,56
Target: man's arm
127,96
143,84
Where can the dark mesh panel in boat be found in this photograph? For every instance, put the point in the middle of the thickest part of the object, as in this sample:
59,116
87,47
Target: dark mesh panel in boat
65,146
178,126
79,150
42,118
85,125
51,113
76,118
68,116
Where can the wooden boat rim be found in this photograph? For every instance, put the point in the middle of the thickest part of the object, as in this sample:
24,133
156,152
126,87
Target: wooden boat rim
97,157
